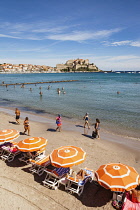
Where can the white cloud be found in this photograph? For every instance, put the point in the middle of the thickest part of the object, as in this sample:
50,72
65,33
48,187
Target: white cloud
122,58
57,29
44,30
117,63
26,37
9,36
127,42
82,36
122,43
135,44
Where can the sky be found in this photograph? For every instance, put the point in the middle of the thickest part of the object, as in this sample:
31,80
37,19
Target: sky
50,32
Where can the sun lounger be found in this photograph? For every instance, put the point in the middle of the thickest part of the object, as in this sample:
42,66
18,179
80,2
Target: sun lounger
28,156
4,144
39,164
76,185
55,177
1,150
25,157
8,153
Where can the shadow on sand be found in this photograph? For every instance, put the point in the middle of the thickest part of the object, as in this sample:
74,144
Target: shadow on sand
80,126
13,122
22,133
88,136
15,162
95,196
37,178
51,130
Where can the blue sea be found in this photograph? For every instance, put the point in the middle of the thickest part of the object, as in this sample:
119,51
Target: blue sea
95,93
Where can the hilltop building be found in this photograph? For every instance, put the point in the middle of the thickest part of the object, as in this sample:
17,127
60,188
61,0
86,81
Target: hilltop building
77,65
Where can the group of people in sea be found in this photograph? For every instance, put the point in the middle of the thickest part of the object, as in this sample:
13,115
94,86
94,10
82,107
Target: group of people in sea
58,90
95,133
40,88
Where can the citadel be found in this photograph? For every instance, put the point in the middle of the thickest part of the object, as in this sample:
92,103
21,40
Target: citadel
77,64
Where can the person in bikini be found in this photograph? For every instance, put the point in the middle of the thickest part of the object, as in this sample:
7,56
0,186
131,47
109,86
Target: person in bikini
86,118
81,174
26,126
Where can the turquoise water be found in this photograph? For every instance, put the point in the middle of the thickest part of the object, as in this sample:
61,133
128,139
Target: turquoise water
95,93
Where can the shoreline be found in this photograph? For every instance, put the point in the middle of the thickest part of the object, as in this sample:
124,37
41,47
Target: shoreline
77,126
71,120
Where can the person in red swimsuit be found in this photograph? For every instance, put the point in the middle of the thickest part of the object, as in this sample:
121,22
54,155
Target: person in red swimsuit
135,194
58,123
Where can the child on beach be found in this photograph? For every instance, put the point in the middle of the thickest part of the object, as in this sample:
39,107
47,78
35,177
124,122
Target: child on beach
58,123
26,126
86,118
17,112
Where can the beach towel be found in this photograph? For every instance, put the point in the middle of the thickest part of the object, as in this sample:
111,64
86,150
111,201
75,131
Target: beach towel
61,171
129,205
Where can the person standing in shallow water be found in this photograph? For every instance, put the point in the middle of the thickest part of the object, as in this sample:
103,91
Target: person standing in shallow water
58,123
86,118
17,112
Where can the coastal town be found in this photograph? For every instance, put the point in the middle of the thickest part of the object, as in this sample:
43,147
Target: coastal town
74,65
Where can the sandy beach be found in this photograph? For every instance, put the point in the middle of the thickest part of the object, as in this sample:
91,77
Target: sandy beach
22,190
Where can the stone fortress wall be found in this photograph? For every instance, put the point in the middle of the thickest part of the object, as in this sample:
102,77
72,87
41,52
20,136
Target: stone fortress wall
77,64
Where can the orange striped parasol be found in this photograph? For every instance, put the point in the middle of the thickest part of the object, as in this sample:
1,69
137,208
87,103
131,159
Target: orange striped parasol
32,144
8,135
117,177
67,156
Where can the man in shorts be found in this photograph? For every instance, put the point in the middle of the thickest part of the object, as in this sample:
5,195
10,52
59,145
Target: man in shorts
17,112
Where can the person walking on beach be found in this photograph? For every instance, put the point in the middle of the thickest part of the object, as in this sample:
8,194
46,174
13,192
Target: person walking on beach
17,112
26,126
86,118
58,123
97,128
